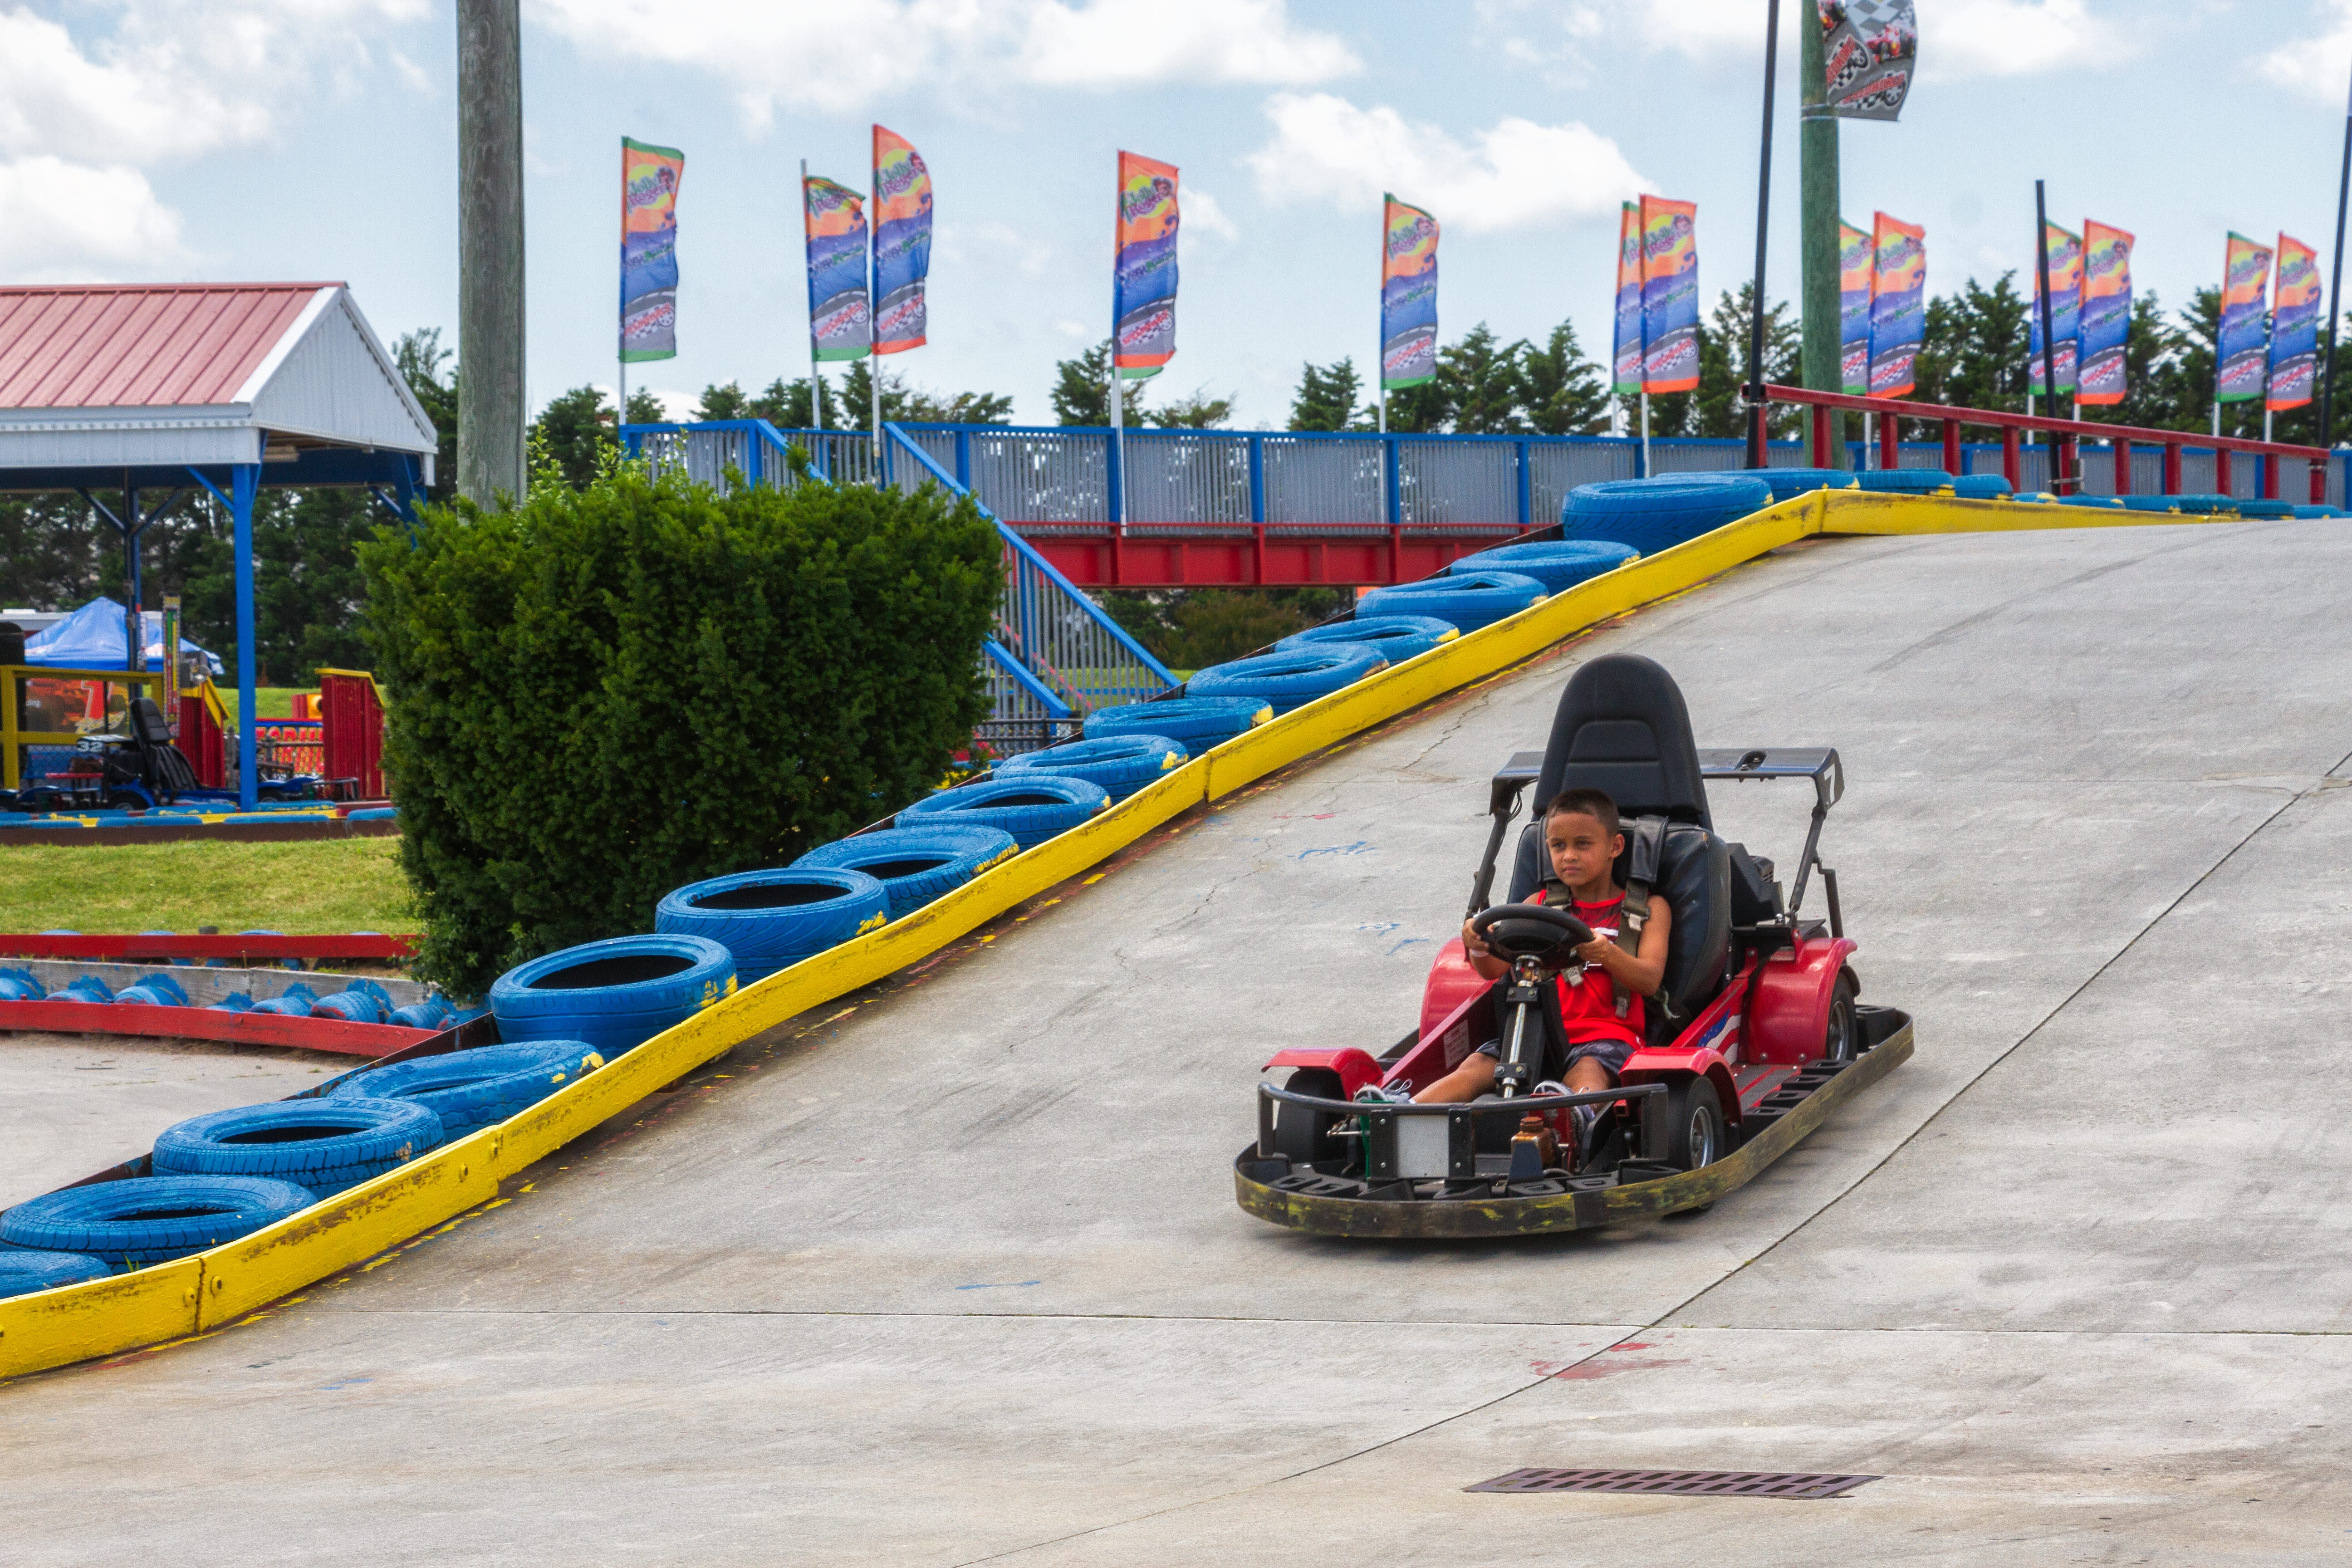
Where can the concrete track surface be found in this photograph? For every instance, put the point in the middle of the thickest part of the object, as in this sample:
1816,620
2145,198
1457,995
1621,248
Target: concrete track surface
957,1275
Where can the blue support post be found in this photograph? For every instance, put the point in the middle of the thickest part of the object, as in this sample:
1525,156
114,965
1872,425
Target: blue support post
753,456
1258,478
963,459
1527,487
1112,509
1388,477
245,483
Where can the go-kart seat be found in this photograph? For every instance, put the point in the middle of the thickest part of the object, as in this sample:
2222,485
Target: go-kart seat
1623,727
161,766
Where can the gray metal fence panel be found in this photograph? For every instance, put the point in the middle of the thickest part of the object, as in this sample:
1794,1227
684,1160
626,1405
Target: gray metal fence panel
1448,481
1323,480
1037,477
1558,467
1188,477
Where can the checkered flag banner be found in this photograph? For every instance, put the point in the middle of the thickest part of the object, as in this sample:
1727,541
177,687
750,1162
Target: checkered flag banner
1871,46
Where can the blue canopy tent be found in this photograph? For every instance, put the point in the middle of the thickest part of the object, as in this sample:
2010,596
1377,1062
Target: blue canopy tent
204,389
92,638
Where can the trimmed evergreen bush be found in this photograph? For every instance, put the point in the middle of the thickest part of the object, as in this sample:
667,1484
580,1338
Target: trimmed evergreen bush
606,693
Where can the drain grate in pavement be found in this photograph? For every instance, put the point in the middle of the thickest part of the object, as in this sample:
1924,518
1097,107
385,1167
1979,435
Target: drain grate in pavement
1677,1483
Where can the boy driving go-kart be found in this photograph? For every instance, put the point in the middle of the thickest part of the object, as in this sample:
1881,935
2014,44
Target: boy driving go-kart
1601,1006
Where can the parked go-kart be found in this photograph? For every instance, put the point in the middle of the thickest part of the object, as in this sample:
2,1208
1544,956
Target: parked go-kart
1755,1033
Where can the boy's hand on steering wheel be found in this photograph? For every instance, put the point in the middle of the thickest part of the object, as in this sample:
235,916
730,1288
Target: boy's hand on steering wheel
1472,943
1591,951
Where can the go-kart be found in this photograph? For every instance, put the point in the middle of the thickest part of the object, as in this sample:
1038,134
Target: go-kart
1755,1033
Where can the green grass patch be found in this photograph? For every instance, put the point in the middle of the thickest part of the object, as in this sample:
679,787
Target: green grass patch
322,886
273,701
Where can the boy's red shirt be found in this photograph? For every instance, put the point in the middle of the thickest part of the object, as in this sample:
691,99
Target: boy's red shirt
1588,1004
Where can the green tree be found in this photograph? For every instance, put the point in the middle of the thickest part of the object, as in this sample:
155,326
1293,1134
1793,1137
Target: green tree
787,405
644,408
1327,398
1566,393
726,402
1486,383
575,431
1080,393
802,659
1717,408
1191,628
1198,411
908,403
420,357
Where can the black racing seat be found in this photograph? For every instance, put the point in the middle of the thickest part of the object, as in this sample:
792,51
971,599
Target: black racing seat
161,767
1623,727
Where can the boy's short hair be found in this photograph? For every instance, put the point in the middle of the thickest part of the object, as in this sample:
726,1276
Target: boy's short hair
1592,802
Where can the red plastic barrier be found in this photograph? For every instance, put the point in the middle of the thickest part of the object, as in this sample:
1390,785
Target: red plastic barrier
352,727
336,1035
128,948
199,739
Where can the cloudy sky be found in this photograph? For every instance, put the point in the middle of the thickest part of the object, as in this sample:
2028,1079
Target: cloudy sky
315,139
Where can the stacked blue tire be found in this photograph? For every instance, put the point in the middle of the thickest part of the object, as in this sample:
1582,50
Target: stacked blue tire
132,1223
1200,723
325,1144
1290,677
1121,764
613,994
1981,486
1031,807
1903,482
1398,638
1559,565
1470,600
24,1272
771,920
1658,514
1786,483
469,1090
914,865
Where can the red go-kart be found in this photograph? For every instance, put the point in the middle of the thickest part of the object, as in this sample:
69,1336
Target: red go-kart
1756,1031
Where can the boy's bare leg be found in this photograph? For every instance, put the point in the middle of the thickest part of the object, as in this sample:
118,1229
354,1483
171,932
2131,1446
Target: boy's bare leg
1588,1077
1474,1078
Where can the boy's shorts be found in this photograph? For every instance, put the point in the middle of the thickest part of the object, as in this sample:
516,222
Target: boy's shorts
1610,1054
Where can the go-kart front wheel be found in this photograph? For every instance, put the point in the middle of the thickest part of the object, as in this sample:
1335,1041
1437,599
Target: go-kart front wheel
1687,1129
1839,1041
1301,1131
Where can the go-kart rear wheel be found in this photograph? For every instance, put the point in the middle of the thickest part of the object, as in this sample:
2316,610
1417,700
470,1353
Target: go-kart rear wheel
1685,1125
1301,1131
1839,1041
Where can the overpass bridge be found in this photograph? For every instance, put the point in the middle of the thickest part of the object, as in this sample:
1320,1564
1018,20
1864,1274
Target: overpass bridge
949,1271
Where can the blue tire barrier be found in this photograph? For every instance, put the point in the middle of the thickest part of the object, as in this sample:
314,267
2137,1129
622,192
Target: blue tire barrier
771,920
2318,510
360,1002
1657,514
372,814
24,1272
1291,678
2108,503
1469,599
1903,482
155,990
234,1002
84,988
297,1001
141,1220
1121,764
616,994
469,1090
1981,486
1559,565
1399,637
1200,723
2149,503
2265,508
325,1145
1033,807
2199,505
1786,483
918,864
432,1012
19,986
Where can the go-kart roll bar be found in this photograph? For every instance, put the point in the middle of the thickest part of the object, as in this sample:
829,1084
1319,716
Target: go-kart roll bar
1819,764
1267,1095
1502,805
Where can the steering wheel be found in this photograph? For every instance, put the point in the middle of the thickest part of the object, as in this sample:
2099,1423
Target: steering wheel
1514,931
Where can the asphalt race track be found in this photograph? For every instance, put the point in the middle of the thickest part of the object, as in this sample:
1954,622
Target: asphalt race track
957,1275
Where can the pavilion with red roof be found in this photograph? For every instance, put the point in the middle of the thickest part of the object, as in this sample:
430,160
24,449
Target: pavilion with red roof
224,386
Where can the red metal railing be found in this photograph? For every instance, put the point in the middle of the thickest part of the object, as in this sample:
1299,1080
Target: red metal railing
2067,470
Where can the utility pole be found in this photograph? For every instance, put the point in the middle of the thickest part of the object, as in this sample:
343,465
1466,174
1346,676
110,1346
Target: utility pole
1817,148
1758,432
489,251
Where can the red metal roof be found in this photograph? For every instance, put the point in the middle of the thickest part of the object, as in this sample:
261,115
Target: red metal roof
139,344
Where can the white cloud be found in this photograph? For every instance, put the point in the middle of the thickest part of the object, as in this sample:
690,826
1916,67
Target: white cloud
1515,175
1957,38
1202,213
2315,66
63,222
839,55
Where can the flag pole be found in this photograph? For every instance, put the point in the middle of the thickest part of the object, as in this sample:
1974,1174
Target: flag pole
1116,500
1757,449
621,348
816,386
2050,328
2335,289
873,299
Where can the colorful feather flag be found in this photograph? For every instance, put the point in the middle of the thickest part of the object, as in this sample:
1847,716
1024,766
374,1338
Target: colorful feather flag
841,318
2106,312
1868,50
1669,295
1408,295
1856,267
649,181
1898,304
902,243
1143,270
2242,345
2295,325
2066,310
1625,356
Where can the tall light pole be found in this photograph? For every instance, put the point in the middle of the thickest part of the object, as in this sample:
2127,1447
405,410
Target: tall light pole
2336,290
1759,450
489,251
1823,368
